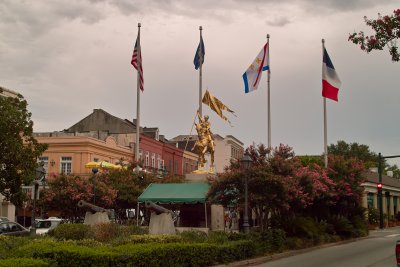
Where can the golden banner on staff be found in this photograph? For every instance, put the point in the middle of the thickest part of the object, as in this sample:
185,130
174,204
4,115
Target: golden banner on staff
216,105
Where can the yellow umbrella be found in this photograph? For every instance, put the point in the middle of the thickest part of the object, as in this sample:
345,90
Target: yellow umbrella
107,165
92,164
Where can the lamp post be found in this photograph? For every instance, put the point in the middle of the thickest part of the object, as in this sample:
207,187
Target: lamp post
94,171
246,163
39,174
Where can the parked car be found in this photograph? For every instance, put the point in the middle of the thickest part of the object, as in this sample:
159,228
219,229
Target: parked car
43,226
398,253
12,228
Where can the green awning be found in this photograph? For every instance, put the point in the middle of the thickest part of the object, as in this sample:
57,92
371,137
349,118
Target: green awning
188,193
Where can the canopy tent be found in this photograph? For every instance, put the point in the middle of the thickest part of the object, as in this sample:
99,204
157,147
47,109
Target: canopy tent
185,193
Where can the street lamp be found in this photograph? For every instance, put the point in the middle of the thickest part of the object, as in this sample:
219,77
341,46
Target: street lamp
94,171
39,175
245,162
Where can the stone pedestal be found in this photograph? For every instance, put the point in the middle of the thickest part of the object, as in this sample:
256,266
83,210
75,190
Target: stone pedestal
217,218
7,209
98,217
161,224
196,177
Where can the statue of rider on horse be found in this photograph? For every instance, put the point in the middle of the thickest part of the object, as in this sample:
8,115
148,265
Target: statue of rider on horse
205,143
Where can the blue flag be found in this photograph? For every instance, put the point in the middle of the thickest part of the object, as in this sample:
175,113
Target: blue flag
199,57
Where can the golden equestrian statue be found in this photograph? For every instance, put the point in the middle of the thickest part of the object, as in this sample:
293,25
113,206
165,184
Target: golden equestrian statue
205,143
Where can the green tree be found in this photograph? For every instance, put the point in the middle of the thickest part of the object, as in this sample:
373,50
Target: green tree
19,149
354,150
387,31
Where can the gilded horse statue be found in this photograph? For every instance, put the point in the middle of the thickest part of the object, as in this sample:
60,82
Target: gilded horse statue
205,143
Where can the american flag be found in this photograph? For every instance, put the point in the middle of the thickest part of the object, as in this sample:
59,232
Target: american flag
137,60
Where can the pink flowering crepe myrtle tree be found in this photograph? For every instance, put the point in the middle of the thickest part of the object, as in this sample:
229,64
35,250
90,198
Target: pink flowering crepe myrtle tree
387,31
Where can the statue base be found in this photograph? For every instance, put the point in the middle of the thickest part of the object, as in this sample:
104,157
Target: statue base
201,176
202,170
96,218
161,224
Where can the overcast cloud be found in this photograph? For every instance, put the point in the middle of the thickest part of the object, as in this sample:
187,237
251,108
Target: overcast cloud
69,57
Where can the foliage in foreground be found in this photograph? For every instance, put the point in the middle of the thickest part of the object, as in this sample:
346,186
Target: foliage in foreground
387,31
192,248
19,148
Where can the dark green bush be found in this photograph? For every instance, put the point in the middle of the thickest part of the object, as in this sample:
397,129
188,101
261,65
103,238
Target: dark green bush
142,239
373,216
360,226
171,254
193,236
343,227
8,244
218,237
306,227
71,232
269,241
23,262
105,232
133,230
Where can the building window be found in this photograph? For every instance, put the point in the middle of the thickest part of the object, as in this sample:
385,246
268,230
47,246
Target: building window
153,160
147,158
159,163
96,160
66,165
162,165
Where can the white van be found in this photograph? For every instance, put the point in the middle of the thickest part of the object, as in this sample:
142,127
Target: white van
43,226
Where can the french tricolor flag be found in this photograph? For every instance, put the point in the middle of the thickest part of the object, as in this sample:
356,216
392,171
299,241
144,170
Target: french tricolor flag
330,79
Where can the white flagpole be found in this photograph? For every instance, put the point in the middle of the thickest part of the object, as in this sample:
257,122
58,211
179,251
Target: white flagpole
200,75
269,97
325,120
138,102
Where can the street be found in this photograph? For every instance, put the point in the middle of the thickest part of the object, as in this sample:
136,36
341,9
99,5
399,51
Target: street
376,251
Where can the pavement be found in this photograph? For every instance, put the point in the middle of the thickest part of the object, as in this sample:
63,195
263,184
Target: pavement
263,259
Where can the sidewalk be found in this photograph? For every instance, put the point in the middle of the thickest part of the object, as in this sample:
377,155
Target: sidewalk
263,259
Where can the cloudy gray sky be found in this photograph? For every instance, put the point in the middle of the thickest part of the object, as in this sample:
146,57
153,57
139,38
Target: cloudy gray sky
68,57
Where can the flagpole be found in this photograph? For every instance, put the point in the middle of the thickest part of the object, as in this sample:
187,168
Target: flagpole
200,75
325,121
269,97
138,104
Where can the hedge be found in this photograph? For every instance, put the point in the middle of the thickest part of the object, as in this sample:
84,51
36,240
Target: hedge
153,254
23,262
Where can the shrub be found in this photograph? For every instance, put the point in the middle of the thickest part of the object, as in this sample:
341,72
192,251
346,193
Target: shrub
151,254
306,227
218,237
142,239
343,227
373,216
193,236
8,244
105,232
23,262
271,240
71,232
360,226
128,230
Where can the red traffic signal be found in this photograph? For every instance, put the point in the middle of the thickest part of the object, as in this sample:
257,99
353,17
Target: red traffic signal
379,185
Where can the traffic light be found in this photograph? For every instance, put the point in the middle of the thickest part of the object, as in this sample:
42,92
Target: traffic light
379,186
